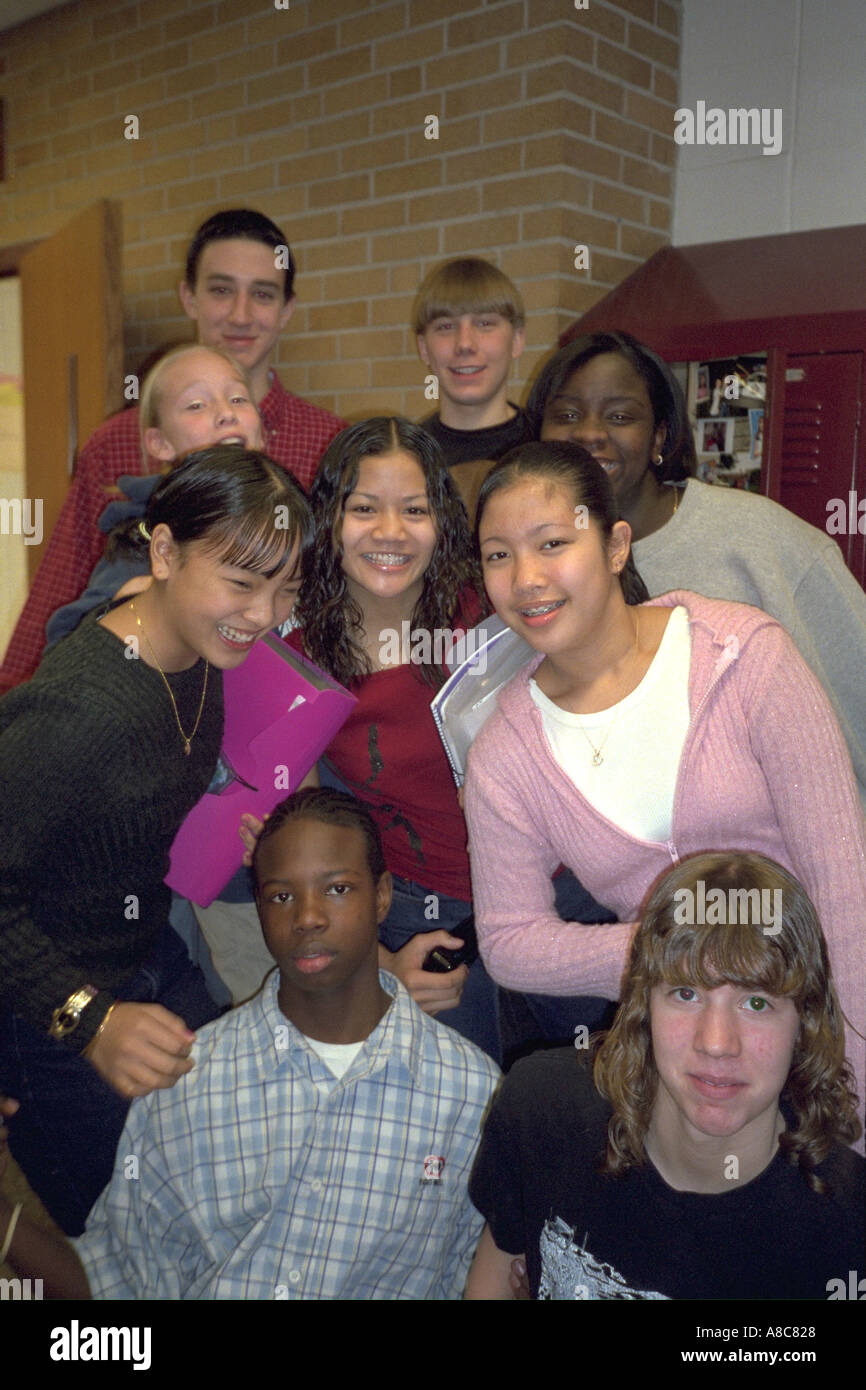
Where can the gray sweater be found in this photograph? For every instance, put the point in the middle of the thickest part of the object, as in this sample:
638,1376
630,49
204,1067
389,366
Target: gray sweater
738,545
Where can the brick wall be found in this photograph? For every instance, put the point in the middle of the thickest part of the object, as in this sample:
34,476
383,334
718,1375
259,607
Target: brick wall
555,129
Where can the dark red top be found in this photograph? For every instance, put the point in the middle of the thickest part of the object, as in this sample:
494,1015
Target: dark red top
390,755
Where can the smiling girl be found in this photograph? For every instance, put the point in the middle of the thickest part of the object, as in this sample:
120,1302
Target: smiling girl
102,754
392,554
642,732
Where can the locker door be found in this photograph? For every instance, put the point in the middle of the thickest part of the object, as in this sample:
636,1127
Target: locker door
820,437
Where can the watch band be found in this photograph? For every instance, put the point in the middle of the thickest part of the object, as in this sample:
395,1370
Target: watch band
65,1019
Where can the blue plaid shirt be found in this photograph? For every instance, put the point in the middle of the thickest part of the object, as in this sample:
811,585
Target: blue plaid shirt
260,1175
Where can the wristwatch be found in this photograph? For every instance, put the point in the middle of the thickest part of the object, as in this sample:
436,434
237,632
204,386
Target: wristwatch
65,1019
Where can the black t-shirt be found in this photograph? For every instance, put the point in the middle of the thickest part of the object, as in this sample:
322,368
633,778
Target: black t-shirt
591,1236
464,446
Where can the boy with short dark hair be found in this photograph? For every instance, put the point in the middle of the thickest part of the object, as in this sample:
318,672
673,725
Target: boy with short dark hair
239,290
321,1146
468,319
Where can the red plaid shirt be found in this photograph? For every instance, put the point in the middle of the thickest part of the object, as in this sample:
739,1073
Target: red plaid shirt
296,435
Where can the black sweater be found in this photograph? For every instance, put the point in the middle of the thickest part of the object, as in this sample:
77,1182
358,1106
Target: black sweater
94,784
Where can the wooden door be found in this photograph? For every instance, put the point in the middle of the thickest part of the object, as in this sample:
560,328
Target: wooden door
72,350
820,440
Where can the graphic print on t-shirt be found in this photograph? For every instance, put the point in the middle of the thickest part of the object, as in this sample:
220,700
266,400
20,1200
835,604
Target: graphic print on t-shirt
569,1271
377,765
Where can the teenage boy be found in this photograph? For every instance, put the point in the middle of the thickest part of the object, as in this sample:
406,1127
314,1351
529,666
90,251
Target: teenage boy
239,291
703,1156
468,320
321,1146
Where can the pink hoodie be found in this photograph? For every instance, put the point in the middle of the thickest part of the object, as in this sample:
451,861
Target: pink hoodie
764,768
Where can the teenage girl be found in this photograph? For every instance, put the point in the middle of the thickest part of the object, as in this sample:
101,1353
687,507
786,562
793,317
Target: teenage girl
392,560
641,733
102,754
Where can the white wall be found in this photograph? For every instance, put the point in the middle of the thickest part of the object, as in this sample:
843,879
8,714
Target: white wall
807,57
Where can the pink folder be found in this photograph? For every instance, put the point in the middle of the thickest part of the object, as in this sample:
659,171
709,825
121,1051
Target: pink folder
281,712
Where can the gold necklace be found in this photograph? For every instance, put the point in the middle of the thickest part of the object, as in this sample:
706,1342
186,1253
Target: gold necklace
187,738
597,753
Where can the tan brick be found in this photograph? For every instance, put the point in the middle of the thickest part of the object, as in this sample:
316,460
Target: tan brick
220,128
478,165
132,99
327,72
189,26
564,76
247,184
597,19
407,178
405,82
658,115
312,43
435,207
454,136
167,171
482,29
122,155
530,262
186,81
71,142
576,297
307,347
373,24
277,146
144,256
480,96
300,169
373,154
407,115
325,317
668,18
345,376
461,67
556,113
227,38
275,26
228,10
397,372
549,222
329,255
345,284
355,406
372,217
649,43
478,236
36,153
217,100
665,87
412,47
640,242
663,150
354,188
150,200
149,39
546,151
186,195
521,191
617,202
304,227
405,278
373,342
541,294
406,246
562,40
352,96
659,215
624,65
622,135
339,131
263,118
641,9
64,93
163,60
421,11
117,75
639,173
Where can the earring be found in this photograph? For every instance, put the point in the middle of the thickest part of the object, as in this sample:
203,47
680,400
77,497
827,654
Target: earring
660,460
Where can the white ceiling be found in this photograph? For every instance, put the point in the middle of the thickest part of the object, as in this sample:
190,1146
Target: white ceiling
14,12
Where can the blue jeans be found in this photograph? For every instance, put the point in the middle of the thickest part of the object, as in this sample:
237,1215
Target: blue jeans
64,1137
477,1014
532,1021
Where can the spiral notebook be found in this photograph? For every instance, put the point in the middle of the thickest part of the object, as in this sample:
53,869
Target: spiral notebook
468,698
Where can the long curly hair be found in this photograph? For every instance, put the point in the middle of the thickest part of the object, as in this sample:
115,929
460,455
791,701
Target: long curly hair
791,961
331,620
